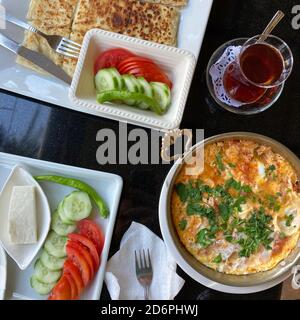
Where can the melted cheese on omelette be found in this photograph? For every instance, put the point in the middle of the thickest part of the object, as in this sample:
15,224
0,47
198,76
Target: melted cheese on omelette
241,215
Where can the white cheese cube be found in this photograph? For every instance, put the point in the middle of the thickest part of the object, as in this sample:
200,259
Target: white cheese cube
22,225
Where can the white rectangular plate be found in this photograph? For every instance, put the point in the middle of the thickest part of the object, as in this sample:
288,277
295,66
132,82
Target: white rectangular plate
16,78
108,185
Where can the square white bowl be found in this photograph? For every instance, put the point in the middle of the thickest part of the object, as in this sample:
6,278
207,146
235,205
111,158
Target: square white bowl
178,64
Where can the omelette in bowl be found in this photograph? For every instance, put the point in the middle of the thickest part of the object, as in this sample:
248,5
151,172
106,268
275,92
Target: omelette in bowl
241,215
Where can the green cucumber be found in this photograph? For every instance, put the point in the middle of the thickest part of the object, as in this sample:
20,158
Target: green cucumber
62,215
77,206
148,91
40,287
132,85
44,275
109,96
105,80
162,94
56,245
60,227
51,262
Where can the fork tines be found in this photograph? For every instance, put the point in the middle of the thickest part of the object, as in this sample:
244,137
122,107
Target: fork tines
143,261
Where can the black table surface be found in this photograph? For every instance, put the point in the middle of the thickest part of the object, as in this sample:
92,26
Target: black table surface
38,130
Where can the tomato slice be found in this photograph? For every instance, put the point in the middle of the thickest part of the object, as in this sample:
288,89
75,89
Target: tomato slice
62,290
80,263
74,292
88,244
111,58
148,69
93,232
70,268
85,253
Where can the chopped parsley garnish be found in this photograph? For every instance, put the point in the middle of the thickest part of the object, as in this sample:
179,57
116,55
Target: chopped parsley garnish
218,259
282,235
273,204
288,220
206,237
270,169
219,162
222,214
182,192
182,224
257,232
232,165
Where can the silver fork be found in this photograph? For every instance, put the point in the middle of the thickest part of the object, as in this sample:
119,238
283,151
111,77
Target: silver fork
144,271
60,44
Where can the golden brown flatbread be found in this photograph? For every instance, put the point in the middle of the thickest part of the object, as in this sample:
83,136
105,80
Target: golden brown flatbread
69,64
153,22
109,15
52,13
174,3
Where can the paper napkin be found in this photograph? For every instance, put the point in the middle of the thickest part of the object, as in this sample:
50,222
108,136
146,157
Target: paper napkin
120,274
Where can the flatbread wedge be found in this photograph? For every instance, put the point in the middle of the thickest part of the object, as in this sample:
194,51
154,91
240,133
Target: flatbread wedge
153,22
52,13
111,15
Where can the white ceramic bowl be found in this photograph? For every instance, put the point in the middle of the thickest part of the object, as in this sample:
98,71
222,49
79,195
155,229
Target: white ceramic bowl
179,64
23,255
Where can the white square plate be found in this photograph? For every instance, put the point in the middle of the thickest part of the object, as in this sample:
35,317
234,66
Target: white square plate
178,64
16,78
108,185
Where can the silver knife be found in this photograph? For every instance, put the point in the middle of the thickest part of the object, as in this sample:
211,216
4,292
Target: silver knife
36,58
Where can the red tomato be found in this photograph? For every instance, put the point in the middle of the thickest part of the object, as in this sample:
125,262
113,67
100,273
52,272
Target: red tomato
70,268
62,290
144,67
111,58
87,243
74,292
92,231
85,253
80,263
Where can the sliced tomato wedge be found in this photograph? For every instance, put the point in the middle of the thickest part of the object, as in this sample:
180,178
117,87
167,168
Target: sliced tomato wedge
76,257
70,268
85,253
87,243
111,58
146,68
62,290
93,232
73,287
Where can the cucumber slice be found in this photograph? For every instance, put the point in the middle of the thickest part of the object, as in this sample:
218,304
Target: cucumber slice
132,85
148,91
56,245
45,275
40,287
162,94
62,215
51,262
114,95
60,227
115,74
105,80
77,206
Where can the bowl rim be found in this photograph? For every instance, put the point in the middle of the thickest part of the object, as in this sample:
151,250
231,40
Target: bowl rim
186,261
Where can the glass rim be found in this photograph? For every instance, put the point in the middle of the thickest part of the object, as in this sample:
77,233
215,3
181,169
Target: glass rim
277,83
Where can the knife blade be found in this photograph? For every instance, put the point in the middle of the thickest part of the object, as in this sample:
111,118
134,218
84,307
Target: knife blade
37,58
